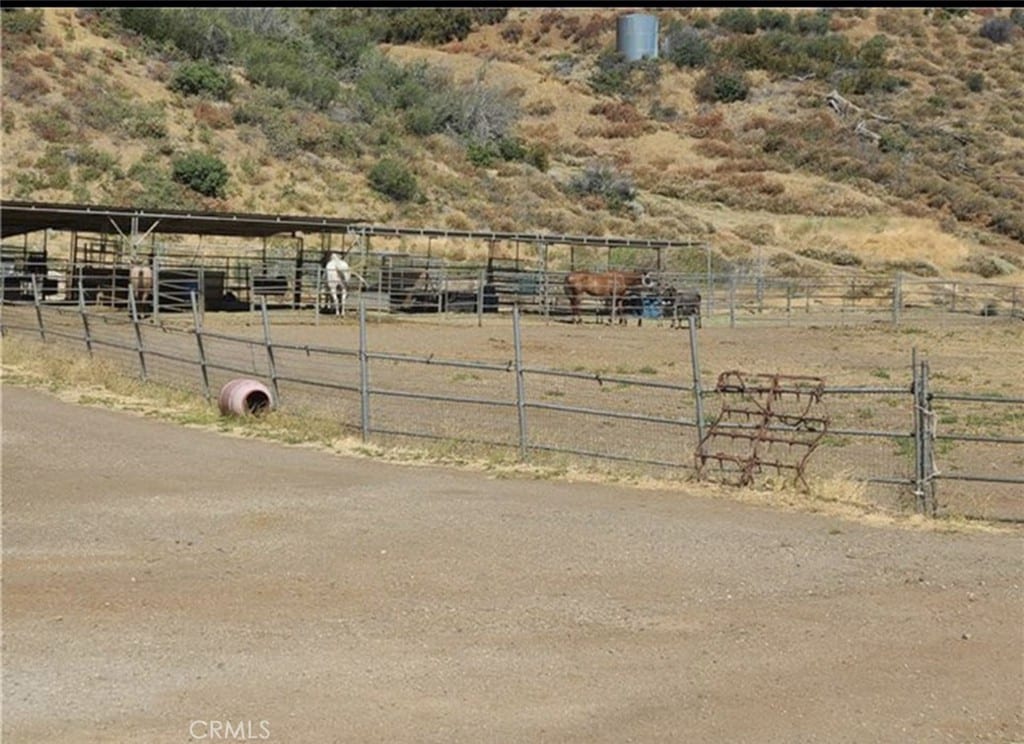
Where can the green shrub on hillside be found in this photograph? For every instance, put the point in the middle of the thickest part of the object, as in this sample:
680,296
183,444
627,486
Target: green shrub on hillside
603,180
738,20
774,20
201,33
615,75
203,173
686,47
812,22
722,85
787,53
278,64
393,179
150,186
509,149
21,21
434,25
202,78
999,30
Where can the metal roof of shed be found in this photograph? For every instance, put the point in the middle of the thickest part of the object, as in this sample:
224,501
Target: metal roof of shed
20,217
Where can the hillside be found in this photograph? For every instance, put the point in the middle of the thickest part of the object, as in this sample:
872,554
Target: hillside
932,182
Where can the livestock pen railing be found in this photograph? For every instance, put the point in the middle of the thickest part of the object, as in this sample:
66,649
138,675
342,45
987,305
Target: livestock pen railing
404,283
937,451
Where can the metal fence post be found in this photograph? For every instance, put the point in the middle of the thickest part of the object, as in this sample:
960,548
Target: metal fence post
517,342
138,335
197,324
732,301
270,348
364,375
924,431
480,298
897,299
154,296
319,292
85,316
929,505
38,302
698,393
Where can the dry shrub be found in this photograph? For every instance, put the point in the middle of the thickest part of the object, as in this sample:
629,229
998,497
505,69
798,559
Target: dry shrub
512,33
706,124
43,61
755,182
626,130
543,107
588,35
841,489
549,20
900,22
213,115
621,112
52,125
24,88
715,149
570,26
760,233
577,148
15,64
985,266
917,268
762,122
786,264
744,165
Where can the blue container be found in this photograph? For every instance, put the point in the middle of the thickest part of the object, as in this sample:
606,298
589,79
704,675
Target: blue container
637,37
652,307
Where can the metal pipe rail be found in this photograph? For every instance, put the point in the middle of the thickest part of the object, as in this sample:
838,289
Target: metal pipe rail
610,414
548,238
600,379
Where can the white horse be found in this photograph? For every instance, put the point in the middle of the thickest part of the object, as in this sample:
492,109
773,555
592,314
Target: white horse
338,274
140,284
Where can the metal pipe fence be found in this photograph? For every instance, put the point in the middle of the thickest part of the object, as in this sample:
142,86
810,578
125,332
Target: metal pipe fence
550,414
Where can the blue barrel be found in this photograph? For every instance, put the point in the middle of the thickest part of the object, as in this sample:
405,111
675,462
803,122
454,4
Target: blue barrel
637,36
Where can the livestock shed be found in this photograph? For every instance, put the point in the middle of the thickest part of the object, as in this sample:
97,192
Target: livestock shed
249,256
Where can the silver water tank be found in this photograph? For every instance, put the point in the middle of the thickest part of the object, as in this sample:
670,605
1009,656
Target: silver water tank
637,36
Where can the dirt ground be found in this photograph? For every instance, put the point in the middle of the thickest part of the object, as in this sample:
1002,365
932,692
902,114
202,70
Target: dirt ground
170,584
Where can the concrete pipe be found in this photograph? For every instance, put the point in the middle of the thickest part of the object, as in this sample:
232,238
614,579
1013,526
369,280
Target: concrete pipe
243,397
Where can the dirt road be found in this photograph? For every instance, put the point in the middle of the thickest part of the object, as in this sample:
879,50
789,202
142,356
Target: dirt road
166,584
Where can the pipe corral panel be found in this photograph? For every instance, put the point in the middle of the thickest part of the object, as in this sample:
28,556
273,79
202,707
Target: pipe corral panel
637,36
